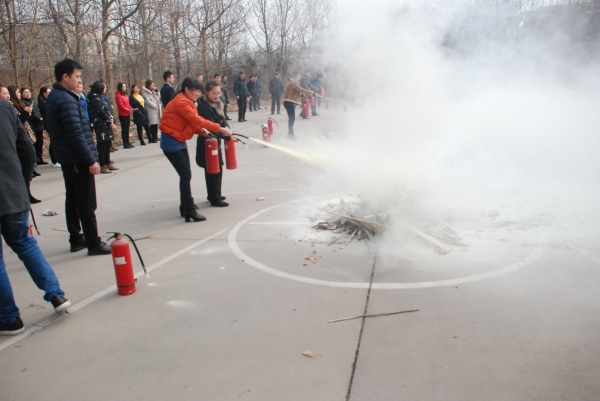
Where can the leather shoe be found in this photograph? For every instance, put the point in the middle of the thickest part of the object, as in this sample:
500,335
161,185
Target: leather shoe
60,303
128,146
100,249
219,204
78,246
222,198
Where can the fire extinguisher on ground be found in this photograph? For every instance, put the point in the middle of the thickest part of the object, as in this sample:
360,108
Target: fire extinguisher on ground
266,136
122,262
211,146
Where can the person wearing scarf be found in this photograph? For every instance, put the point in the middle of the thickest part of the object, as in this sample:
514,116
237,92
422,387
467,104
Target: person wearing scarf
211,108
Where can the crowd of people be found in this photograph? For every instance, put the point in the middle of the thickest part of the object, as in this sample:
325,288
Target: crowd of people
82,129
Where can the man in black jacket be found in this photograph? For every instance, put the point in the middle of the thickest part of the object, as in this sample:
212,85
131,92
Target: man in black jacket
167,93
251,92
225,96
257,93
276,90
241,94
74,148
16,152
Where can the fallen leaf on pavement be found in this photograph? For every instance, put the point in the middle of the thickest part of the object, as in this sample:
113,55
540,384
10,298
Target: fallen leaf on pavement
262,198
309,354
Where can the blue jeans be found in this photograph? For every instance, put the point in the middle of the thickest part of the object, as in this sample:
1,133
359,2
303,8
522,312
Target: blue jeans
15,230
181,162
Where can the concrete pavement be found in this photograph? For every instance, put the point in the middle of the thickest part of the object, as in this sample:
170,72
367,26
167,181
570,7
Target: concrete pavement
230,307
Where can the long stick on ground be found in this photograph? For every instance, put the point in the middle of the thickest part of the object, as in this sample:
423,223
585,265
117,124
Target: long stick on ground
376,314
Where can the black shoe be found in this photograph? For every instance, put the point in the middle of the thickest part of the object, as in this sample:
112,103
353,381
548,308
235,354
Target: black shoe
13,329
191,212
278,113
100,249
229,118
33,200
316,115
36,174
78,246
240,120
306,118
60,303
127,146
272,113
291,137
41,163
219,204
245,120
142,143
222,198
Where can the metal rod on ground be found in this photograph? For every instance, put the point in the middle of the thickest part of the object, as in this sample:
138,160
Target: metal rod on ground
373,315
34,223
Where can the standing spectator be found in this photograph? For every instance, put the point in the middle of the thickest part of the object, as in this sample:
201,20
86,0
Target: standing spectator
251,92
317,86
225,96
42,96
200,78
154,108
167,93
257,94
124,110
24,112
276,90
104,127
36,122
181,122
241,94
305,83
16,151
292,97
140,114
211,108
76,152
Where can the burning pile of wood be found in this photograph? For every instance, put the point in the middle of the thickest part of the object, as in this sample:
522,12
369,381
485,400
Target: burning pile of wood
404,211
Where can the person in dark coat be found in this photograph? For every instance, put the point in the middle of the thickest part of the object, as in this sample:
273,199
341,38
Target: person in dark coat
103,124
211,108
167,92
36,122
252,92
16,151
317,84
140,114
225,96
241,94
257,94
75,150
42,96
276,90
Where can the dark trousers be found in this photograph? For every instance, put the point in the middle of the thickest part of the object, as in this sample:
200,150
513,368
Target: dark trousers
225,110
213,185
255,102
104,152
39,145
241,102
52,158
80,204
289,107
154,132
139,132
181,162
125,121
275,99
313,108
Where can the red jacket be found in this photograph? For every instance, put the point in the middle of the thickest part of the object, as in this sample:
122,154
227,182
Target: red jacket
123,106
181,120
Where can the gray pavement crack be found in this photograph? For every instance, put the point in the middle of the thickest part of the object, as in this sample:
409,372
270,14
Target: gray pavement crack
362,327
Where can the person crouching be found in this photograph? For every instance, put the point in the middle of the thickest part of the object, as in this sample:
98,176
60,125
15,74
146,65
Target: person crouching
181,122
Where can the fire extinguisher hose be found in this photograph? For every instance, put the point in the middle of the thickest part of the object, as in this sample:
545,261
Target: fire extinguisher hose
34,223
276,123
118,235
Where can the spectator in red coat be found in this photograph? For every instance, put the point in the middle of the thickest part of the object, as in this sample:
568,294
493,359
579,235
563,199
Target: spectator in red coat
124,110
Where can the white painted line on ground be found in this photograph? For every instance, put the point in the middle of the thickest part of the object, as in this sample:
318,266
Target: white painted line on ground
535,255
95,297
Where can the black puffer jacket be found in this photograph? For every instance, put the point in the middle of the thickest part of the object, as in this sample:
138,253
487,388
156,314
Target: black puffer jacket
140,116
101,118
207,112
69,129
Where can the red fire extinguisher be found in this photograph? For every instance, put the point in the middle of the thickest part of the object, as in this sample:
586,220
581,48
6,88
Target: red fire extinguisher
212,155
230,156
306,111
266,136
270,122
312,100
123,265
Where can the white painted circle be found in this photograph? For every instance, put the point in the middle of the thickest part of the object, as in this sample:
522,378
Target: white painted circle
535,255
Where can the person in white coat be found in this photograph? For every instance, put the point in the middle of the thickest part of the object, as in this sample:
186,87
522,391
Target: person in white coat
154,107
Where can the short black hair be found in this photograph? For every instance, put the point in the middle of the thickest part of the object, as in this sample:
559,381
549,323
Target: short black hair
167,74
120,87
191,84
276,73
216,75
241,72
98,87
66,66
